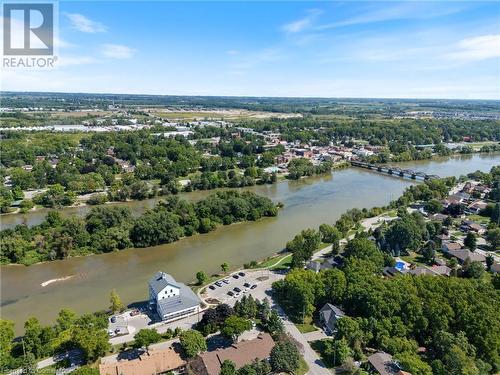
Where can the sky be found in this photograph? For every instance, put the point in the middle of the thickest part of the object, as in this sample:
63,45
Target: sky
396,49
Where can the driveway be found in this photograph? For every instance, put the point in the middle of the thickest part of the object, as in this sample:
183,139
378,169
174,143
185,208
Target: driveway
316,366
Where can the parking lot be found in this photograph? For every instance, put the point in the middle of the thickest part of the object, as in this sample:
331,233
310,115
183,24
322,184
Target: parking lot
259,280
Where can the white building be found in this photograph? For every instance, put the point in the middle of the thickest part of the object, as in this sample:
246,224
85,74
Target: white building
171,299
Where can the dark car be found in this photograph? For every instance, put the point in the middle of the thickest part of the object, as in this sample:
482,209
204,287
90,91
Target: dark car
218,283
253,286
230,293
246,285
225,281
235,276
241,274
212,287
237,290
113,319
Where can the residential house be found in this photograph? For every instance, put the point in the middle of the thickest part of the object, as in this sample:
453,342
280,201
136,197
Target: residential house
151,362
241,354
476,207
470,226
433,271
171,299
463,254
316,265
328,315
449,246
383,364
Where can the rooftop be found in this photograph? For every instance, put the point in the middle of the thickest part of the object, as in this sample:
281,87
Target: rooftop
158,360
241,353
161,280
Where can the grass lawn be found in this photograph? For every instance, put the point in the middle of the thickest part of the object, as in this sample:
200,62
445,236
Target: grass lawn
413,258
278,261
303,367
479,219
305,327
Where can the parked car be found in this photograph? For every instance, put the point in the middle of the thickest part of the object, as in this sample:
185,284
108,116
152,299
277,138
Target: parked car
113,319
230,293
246,285
218,283
225,281
235,276
242,274
237,290
135,312
211,287
253,286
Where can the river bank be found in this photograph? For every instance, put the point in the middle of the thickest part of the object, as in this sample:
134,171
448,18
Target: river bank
307,204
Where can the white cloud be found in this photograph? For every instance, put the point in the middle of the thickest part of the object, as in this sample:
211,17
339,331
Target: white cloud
117,51
476,48
232,52
84,24
303,23
405,10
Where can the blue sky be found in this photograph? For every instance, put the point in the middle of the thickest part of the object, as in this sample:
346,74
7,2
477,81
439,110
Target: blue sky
329,49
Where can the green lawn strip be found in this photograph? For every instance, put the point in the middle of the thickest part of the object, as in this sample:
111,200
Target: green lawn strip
306,328
303,368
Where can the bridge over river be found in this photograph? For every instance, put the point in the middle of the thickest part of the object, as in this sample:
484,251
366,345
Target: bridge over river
394,171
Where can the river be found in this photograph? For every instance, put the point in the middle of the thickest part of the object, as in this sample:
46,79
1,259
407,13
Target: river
307,203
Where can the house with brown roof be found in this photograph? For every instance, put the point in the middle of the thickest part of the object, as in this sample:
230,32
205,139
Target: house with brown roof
241,354
450,246
383,364
462,254
155,361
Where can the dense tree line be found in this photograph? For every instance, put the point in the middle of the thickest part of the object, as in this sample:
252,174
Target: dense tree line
87,332
107,229
381,131
454,318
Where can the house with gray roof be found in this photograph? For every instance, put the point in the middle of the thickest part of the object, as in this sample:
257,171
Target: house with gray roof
171,299
328,315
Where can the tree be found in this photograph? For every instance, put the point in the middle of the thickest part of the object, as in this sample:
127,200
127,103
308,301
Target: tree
89,334
335,285
493,237
433,206
224,267
227,368
470,241
274,325
201,277
429,252
363,248
115,302
6,337
472,270
235,326
31,339
146,337
413,364
192,342
330,234
285,357
303,246
29,364
65,319
490,260
337,351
